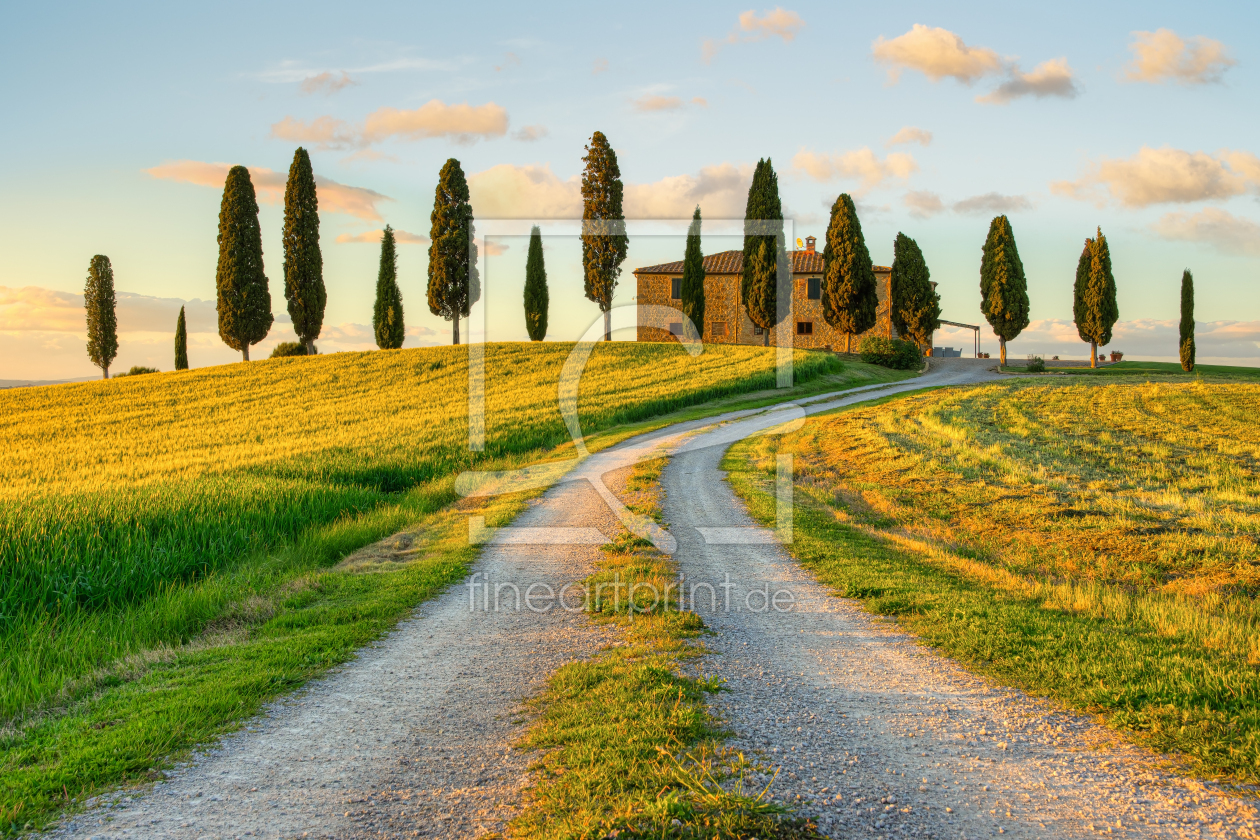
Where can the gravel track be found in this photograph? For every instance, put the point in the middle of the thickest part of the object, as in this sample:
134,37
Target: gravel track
413,737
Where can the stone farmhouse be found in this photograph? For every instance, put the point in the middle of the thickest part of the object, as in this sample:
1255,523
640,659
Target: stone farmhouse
726,319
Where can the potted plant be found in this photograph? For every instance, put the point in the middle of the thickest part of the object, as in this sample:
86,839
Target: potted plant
1116,355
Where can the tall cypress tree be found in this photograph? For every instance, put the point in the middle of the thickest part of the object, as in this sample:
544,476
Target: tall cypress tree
537,299
102,324
387,314
604,240
303,263
693,278
1094,296
181,342
765,267
915,308
244,301
1186,345
1003,286
454,283
850,298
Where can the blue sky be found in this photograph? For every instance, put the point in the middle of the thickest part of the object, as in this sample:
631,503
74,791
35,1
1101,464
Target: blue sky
113,116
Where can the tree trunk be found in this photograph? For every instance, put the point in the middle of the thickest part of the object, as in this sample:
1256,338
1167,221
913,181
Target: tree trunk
310,347
245,352
1093,354
105,372
848,342
455,329
1002,352
765,337
608,324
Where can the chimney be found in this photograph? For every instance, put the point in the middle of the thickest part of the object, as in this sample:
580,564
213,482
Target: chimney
809,244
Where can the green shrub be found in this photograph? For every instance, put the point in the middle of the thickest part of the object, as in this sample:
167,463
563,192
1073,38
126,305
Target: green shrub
290,348
890,353
136,370
1036,364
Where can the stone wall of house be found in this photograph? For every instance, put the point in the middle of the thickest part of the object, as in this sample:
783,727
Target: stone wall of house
726,321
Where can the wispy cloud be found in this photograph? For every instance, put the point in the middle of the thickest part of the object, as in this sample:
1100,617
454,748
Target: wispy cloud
269,186
1164,176
326,82
509,60
600,65
375,236
779,23
652,102
289,70
530,133
925,204
1212,226
1164,56
861,164
461,123
320,133
908,135
1050,78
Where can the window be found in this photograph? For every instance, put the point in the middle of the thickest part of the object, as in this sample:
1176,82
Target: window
675,291
758,330
675,328
717,328
814,286
804,327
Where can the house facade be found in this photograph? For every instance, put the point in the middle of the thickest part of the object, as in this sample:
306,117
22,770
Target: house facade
726,319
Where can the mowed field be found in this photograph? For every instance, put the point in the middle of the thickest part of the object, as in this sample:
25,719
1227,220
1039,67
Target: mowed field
1095,541
164,538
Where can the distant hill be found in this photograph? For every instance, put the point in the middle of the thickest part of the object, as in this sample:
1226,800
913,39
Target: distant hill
24,383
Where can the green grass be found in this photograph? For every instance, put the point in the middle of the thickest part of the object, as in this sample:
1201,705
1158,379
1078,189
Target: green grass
1137,368
1094,543
100,696
631,749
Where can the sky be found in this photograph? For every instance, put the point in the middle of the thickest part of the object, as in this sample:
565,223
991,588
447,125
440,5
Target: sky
1138,118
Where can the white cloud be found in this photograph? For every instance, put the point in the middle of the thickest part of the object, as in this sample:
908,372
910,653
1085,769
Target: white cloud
923,204
862,164
936,53
993,203
1160,176
374,237
1050,78
908,135
462,123
524,192
1212,226
1163,56
779,23
652,102
721,191
269,186
530,133
328,82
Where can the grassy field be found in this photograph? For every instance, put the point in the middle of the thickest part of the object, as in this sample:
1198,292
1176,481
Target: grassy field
168,543
1160,369
1094,542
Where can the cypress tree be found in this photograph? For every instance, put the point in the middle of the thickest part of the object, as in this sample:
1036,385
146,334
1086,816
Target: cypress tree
181,342
1003,286
915,308
850,298
693,278
765,254
102,324
604,240
454,284
1186,345
536,297
303,263
387,314
1094,296
244,301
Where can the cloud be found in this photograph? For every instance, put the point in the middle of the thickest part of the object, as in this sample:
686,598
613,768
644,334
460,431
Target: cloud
1163,56
530,133
908,135
700,100
1050,78
510,60
600,65
1162,176
1212,226
269,186
493,248
327,82
862,164
374,237
460,123
657,103
936,53
524,192
289,71
993,204
923,204
779,23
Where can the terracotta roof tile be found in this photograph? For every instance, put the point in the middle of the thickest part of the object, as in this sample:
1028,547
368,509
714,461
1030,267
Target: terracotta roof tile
732,262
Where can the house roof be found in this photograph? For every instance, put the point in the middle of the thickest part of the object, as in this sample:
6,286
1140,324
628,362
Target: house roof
732,262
